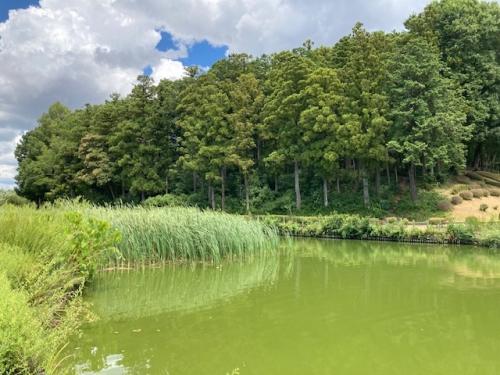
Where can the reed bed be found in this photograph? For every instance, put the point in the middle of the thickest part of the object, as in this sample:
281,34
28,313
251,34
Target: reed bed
171,234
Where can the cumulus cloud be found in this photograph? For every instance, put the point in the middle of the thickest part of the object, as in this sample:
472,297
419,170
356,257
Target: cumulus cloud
80,51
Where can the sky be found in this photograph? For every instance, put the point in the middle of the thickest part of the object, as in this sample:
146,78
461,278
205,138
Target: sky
81,51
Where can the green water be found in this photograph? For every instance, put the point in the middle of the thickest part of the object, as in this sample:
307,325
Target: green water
323,307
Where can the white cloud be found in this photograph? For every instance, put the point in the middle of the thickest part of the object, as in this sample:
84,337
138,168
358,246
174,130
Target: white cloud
168,69
80,51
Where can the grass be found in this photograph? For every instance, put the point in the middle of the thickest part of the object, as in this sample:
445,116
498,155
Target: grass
436,230
45,265
176,233
48,255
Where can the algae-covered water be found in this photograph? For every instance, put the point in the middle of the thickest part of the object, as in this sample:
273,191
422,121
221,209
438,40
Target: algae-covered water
322,307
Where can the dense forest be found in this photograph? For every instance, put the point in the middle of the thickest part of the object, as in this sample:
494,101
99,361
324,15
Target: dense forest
376,111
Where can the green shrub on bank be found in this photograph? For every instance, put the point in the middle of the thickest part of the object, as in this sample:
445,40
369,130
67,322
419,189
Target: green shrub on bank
456,199
466,195
357,227
47,255
22,339
167,200
10,197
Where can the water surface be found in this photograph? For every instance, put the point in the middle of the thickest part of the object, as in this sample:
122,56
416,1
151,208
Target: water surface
323,307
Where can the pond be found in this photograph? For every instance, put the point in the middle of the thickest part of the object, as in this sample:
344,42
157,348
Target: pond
319,307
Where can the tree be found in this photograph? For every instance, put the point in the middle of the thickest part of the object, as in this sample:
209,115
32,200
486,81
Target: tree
365,56
427,110
283,107
321,121
467,34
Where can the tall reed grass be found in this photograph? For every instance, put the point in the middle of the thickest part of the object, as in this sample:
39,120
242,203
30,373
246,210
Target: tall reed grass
167,234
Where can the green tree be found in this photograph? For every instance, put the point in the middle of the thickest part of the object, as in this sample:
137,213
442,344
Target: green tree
283,107
427,110
467,33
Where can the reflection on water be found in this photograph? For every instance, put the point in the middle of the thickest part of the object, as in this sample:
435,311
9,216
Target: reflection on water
323,307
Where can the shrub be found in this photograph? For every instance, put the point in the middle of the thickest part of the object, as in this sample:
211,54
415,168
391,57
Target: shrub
436,221
391,219
495,193
456,199
458,188
445,205
22,340
462,179
466,195
477,193
460,232
10,197
166,200
486,192
495,208
483,207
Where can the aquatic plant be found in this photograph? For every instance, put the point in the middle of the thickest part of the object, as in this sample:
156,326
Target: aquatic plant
175,233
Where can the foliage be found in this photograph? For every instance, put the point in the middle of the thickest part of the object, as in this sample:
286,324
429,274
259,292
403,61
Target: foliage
456,199
483,207
445,205
47,256
467,195
166,200
172,234
10,197
419,105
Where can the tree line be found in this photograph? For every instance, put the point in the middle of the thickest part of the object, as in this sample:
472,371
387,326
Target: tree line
409,106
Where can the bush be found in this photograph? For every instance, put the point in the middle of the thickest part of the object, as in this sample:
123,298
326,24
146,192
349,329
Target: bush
466,195
460,232
445,206
456,199
10,197
486,192
483,207
477,193
22,339
436,221
459,188
462,179
391,219
495,193
166,200
495,208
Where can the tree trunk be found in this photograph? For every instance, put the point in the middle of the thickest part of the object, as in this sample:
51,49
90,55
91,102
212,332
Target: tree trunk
111,191
338,185
413,182
325,192
396,174
432,169
477,156
388,174
366,190
166,185
377,181
123,189
194,182
247,193
223,188
211,196
298,200
276,183
142,196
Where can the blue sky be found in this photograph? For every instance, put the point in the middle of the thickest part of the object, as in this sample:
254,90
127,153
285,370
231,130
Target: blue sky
200,53
6,5
81,51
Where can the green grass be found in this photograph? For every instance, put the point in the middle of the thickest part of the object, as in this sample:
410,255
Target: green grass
169,234
48,255
359,227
